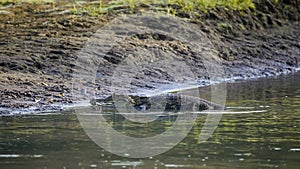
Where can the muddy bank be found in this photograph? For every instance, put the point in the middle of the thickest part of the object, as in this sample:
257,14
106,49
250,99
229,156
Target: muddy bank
40,45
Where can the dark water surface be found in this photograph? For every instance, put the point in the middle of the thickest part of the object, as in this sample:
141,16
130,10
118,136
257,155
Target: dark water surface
269,138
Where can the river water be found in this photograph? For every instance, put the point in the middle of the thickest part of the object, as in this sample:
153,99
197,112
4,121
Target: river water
263,132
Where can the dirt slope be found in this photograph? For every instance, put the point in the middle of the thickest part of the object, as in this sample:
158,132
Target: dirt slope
39,46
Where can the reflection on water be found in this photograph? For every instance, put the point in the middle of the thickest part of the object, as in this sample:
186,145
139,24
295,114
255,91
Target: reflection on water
268,136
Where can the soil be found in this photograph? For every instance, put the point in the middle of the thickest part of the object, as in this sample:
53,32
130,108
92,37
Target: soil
40,45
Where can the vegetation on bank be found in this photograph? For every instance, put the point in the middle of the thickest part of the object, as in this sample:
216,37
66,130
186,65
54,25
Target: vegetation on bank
98,7
9,2
169,6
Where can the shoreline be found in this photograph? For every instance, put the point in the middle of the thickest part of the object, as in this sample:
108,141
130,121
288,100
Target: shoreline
59,108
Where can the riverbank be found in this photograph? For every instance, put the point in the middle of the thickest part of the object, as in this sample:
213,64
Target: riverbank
39,46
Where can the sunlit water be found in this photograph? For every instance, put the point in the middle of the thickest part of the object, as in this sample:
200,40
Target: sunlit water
260,130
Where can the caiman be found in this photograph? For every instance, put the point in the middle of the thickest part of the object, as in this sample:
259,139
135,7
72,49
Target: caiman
167,102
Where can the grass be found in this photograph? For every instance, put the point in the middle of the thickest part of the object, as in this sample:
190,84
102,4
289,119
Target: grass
8,2
93,10
168,6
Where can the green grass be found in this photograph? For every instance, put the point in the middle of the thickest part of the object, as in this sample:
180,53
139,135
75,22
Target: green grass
168,6
7,2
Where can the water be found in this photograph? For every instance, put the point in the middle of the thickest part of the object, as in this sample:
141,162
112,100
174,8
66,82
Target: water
261,130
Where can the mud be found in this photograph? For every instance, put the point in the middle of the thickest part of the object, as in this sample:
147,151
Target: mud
39,47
